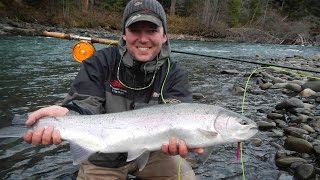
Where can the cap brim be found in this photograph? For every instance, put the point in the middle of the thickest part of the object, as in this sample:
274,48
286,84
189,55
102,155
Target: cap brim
143,17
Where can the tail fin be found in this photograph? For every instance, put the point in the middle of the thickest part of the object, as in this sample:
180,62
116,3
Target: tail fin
12,131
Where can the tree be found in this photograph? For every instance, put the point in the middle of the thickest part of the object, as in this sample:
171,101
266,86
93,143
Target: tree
173,8
255,10
234,7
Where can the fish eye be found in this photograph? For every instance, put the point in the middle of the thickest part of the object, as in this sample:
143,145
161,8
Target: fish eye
244,122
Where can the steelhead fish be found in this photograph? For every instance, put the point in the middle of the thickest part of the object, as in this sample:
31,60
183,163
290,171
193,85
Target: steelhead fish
138,132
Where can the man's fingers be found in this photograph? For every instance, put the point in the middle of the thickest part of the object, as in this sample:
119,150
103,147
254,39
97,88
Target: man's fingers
47,136
164,148
173,149
37,136
56,139
183,149
28,136
47,111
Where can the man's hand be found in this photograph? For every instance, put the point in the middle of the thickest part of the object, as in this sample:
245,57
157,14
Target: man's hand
42,135
178,147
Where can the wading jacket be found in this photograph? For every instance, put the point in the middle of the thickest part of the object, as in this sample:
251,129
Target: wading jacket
97,90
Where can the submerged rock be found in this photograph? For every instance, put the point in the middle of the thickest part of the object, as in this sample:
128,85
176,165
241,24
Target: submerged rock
305,172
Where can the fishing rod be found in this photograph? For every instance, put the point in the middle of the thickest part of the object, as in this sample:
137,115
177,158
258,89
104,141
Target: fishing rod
84,49
249,61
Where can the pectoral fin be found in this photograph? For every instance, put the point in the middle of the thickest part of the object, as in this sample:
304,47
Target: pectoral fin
79,153
205,156
208,134
141,156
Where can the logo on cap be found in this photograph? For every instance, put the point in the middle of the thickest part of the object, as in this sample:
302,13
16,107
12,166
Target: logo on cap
137,3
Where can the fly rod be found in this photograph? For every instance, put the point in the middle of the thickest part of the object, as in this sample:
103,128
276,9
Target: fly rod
84,49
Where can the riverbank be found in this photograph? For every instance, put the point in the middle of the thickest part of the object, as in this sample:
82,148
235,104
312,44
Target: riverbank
10,27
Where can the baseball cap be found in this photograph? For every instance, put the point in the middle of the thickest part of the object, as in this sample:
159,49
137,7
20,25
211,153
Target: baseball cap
144,10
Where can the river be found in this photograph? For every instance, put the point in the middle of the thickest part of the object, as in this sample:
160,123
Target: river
37,72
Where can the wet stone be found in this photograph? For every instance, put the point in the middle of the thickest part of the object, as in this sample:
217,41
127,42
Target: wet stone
290,103
305,172
263,125
307,93
287,161
197,96
280,123
230,71
298,111
296,130
277,133
299,119
293,87
256,141
265,86
298,145
285,176
317,149
314,85
275,116
308,128
278,85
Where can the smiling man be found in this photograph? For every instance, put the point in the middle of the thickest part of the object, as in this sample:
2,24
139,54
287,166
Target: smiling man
138,72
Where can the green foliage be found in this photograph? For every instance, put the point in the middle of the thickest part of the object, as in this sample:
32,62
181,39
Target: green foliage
255,9
234,7
113,5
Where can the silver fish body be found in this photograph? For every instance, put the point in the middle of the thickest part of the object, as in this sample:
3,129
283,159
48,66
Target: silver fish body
140,131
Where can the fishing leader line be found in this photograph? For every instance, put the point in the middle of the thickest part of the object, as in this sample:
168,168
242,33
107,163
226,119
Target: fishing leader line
287,70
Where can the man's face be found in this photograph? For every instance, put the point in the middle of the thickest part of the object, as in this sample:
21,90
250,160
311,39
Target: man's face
144,40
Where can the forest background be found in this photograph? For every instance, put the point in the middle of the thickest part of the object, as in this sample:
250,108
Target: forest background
278,21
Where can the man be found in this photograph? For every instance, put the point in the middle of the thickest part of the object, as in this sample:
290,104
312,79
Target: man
137,73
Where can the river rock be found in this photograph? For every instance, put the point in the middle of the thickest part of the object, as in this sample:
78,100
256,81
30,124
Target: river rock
317,149
297,130
230,71
256,141
287,161
315,123
278,85
277,133
280,123
197,96
274,116
265,86
237,90
264,125
297,134
308,128
299,119
278,80
308,106
307,93
298,145
300,82
293,87
290,103
300,111
285,176
305,172
314,85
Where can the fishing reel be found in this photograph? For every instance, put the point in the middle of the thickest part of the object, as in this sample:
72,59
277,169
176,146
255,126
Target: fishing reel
82,50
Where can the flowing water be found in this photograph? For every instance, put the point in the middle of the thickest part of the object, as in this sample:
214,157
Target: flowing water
37,72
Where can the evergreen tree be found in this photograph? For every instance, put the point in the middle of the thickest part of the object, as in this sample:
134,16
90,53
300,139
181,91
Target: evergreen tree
234,7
